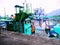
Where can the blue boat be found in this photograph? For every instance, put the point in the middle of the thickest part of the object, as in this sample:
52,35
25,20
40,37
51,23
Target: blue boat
57,28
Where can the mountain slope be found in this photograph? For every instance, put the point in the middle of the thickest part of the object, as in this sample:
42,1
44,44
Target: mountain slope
54,13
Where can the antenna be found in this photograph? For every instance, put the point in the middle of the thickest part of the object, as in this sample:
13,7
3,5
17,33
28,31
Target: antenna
4,11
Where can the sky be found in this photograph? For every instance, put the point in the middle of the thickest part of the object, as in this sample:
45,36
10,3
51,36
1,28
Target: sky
7,6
